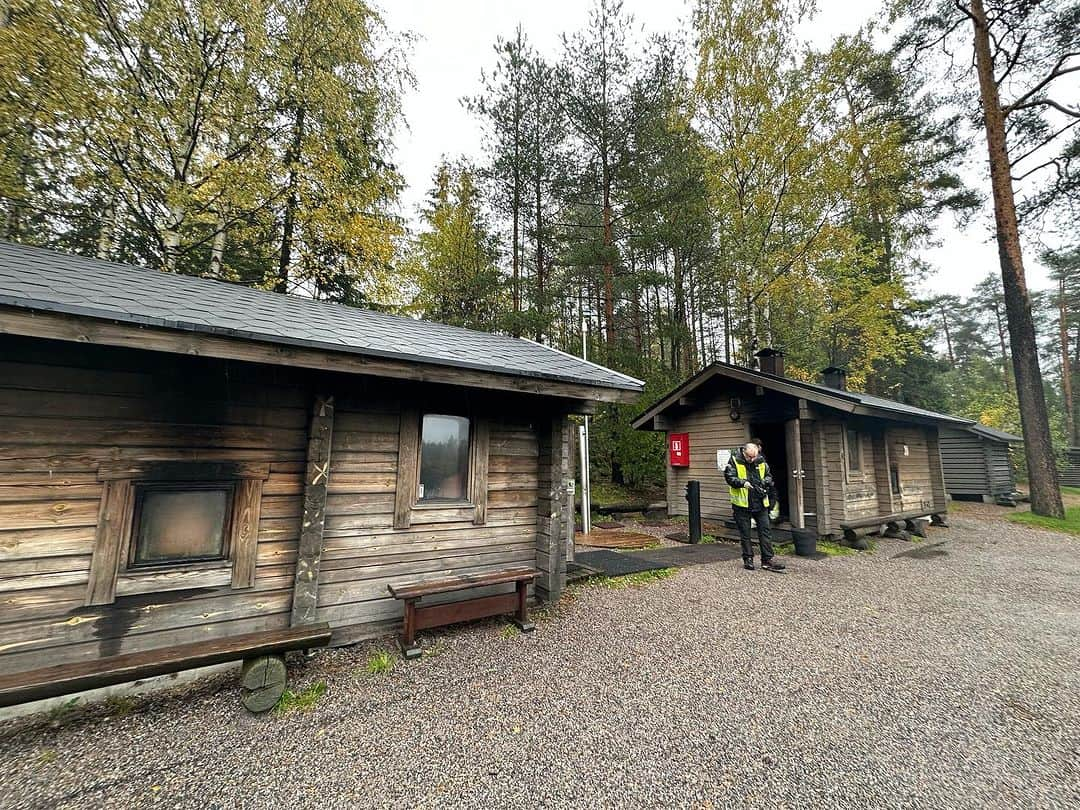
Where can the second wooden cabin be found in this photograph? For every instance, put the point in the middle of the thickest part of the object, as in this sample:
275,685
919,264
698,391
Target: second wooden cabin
844,462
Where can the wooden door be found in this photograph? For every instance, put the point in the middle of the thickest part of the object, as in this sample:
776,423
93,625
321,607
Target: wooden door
793,442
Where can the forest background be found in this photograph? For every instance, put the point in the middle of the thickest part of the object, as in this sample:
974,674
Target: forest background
667,201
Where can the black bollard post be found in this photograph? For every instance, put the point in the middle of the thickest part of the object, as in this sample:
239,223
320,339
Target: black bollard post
693,498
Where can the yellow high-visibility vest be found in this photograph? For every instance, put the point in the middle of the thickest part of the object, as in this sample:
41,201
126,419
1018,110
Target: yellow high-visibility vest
741,496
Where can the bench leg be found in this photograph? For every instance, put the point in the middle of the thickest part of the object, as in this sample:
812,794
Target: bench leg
262,682
407,640
521,618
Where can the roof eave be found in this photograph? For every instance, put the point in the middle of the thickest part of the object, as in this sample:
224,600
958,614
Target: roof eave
59,324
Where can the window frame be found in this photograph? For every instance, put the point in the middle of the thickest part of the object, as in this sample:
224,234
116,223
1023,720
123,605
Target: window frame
143,487
899,484
468,500
407,503
113,573
858,470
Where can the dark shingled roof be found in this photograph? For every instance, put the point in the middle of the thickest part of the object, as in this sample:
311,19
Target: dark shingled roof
822,394
995,434
38,279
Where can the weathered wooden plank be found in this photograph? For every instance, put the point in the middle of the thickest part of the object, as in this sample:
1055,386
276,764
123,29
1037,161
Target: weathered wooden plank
247,506
309,556
24,544
49,514
408,463
478,469
111,541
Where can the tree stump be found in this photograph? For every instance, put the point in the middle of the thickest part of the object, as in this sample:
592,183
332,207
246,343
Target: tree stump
916,527
263,680
892,529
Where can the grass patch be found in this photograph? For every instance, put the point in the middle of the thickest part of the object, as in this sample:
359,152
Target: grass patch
1074,491
636,580
302,701
379,663
59,712
120,705
46,755
510,631
831,549
1070,524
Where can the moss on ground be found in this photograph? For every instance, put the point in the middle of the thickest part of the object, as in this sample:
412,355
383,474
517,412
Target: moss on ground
636,580
1070,524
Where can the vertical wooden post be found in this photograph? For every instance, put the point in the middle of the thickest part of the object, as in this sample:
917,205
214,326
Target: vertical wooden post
937,474
554,510
309,553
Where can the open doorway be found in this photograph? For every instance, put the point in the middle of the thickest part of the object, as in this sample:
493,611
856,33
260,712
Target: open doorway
773,437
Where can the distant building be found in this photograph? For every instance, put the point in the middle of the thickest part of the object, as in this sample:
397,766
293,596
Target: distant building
843,461
977,462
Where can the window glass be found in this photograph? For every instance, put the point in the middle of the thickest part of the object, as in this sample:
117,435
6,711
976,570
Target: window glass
444,458
181,525
854,451
894,479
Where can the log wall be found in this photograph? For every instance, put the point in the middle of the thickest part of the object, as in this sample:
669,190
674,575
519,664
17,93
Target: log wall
65,411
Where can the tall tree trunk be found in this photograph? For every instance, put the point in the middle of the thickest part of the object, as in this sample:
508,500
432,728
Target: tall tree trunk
108,229
948,337
217,249
609,270
1004,349
1066,370
172,237
1038,447
541,305
288,224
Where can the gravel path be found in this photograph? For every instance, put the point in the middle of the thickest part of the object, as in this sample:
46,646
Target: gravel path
938,674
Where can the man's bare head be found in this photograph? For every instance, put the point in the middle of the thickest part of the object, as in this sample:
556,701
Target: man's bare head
750,450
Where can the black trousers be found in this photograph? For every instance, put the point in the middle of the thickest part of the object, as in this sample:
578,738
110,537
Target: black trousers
764,532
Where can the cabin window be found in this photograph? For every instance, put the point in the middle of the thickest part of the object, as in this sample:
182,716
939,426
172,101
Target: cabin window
442,465
444,459
894,479
854,451
180,524
175,525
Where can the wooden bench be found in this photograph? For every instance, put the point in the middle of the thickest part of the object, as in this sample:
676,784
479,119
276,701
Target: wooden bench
892,521
263,676
423,617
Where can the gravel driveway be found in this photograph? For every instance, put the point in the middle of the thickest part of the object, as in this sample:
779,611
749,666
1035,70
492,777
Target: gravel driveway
939,674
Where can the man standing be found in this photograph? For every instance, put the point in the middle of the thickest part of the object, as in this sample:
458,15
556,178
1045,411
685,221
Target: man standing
749,484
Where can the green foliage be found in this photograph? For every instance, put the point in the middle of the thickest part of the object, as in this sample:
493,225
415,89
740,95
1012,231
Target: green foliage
379,663
244,141
1070,524
302,701
452,261
637,580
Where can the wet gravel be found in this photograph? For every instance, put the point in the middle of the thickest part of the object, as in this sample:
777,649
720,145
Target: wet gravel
939,674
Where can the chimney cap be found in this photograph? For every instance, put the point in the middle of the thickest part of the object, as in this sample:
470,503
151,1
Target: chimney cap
768,351
834,370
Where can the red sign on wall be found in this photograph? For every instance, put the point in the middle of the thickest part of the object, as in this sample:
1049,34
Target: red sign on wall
679,449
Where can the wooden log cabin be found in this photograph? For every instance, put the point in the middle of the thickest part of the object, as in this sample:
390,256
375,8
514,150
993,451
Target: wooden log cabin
977,461
186,459
845,463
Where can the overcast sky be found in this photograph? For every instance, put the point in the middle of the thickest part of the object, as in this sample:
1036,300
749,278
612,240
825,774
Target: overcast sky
454,43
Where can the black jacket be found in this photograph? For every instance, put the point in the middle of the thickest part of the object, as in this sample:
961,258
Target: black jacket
760,485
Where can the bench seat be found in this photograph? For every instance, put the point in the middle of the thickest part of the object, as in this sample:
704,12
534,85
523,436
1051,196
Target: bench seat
63,679
419,617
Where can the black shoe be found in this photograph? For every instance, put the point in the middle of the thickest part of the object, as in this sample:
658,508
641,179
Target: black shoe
748,565
773,565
